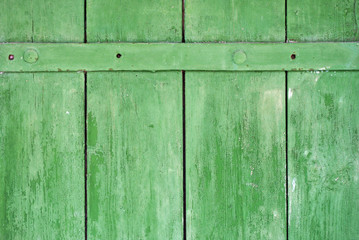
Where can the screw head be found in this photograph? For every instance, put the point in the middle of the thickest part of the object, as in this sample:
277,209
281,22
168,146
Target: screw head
239,57
31,56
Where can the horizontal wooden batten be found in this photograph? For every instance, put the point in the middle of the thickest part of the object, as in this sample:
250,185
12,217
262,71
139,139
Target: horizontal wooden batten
54,57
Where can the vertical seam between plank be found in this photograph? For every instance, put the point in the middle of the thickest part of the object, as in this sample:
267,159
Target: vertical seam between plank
183,21
286,20
184,152
286,125
85,21
286,156
85,113
85,150
184,130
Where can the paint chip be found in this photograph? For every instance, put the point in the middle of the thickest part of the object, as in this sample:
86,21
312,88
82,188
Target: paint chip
275,213
253,185
290,93
293,185
67,112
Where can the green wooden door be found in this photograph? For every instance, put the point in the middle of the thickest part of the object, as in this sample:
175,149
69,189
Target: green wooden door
177,154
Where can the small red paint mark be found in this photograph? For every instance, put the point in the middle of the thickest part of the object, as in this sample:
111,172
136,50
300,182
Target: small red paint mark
11,57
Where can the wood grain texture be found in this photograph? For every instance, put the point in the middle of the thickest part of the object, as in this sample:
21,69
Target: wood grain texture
235,152
234,20
92,57
134,21
42,128
323,156
135,155
42,21
135,128
235,170
41,156
323,129
323,20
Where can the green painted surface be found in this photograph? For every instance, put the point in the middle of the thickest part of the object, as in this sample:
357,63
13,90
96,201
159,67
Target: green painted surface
41,21
41,156
323,128
135,127
234,21
181,56
235,126
135,155
42,128
323,20
134,20
235,121
235,151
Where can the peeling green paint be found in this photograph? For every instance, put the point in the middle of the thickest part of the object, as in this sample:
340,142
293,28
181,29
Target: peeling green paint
135,155
41,156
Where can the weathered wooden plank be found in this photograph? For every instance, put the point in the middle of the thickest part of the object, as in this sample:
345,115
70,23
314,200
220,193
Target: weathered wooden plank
235,152
42,128
42,21
235,171
134,21
135,128
323,126
135,155
234,21
323,20
323,156
178,56
41,156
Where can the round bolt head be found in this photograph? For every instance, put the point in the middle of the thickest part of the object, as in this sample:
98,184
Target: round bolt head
31,56
239,57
